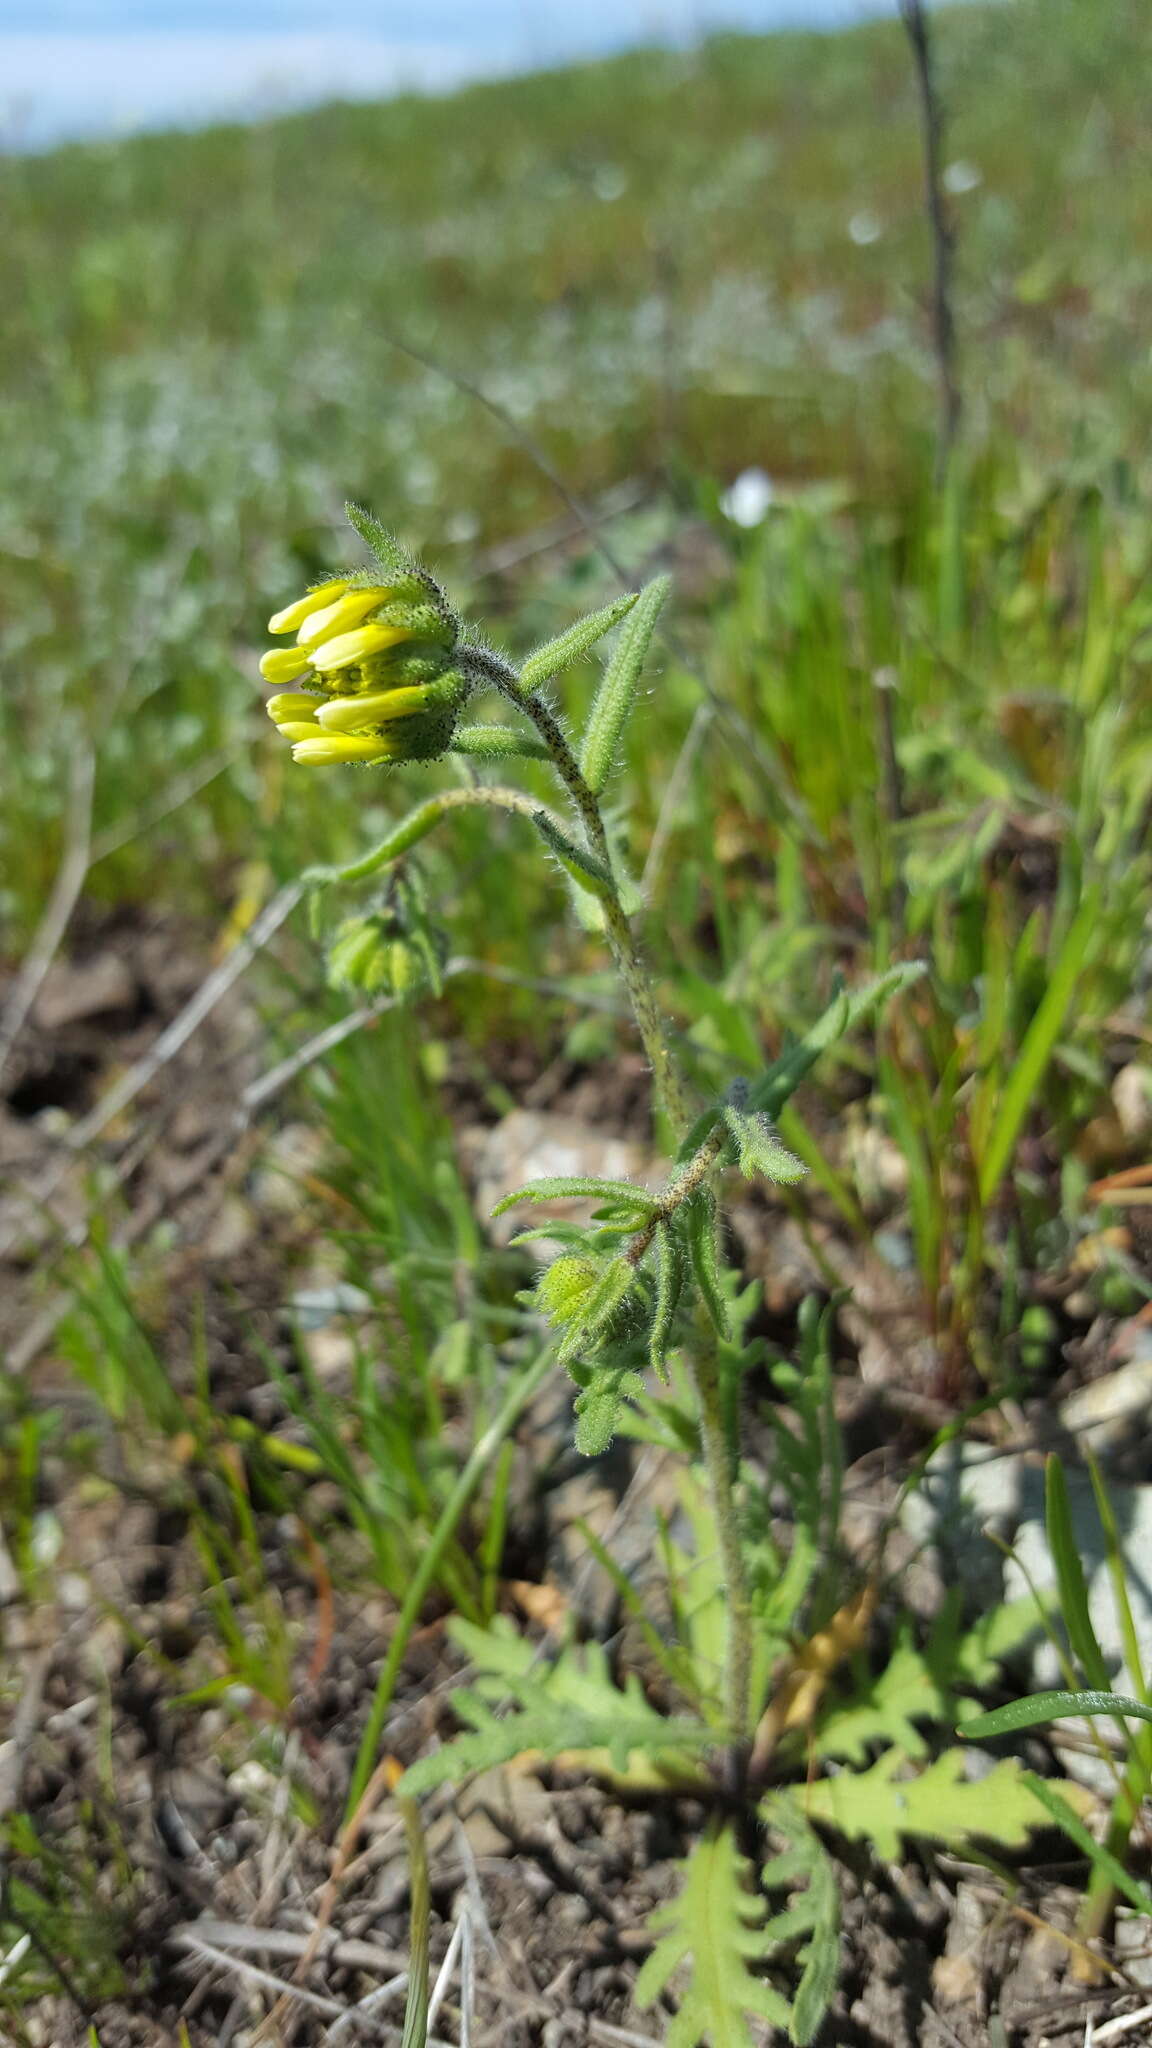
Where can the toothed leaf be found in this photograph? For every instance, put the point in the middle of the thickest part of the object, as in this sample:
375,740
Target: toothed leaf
938,1805
711,1929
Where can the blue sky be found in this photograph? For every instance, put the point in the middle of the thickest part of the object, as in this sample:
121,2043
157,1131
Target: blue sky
92,67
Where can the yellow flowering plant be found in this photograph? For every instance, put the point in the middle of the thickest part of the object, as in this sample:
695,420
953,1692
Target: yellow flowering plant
385,667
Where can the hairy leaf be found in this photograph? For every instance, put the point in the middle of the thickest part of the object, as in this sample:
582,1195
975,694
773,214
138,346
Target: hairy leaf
758,1149
814,1912
699,1213
607,1386
598,1310
558,654
711,1929
391,553
585,869
622,1195
618,687
670,1276
498,743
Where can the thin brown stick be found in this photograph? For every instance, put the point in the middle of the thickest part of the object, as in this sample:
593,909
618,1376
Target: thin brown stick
941,229
57,915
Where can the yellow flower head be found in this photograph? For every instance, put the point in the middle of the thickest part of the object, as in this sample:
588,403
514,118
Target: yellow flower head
373,660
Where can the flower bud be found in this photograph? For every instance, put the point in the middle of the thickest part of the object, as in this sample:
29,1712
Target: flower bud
565,1286
375,659
376,955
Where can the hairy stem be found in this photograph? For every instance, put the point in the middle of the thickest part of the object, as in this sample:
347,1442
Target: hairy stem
720,1464
721,1457
669,1087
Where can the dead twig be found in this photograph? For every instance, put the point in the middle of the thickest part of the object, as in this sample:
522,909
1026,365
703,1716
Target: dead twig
25,1721
941,229
62,901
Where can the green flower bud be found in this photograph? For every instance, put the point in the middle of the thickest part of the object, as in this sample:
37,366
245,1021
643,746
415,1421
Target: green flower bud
376,955
565,1287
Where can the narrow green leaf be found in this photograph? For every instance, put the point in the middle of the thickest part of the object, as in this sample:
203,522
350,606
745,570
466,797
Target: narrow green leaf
1070,1579
1100,1857
389,552
669,1287
1039,1044
843,1013
1053,1706
699,1213
620,681
1117,1572
562,1187
584,868
420,1891
498,743
559,654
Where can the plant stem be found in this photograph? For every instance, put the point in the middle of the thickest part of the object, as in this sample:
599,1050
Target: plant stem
721,1456
720,1463
668,1085
483,1452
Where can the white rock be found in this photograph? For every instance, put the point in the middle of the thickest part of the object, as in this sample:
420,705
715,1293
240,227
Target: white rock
971,1493
1101,1414
532,1145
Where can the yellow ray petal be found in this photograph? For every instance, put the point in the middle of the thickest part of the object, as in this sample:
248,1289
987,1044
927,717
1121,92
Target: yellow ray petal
283,664
291,704
334,747
354,714
348,611
294,615
348,648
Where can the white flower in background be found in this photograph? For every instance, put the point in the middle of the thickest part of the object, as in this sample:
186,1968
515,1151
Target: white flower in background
747,499
962,176
865,227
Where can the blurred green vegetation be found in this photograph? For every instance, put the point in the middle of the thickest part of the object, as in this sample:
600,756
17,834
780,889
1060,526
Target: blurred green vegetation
665,267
